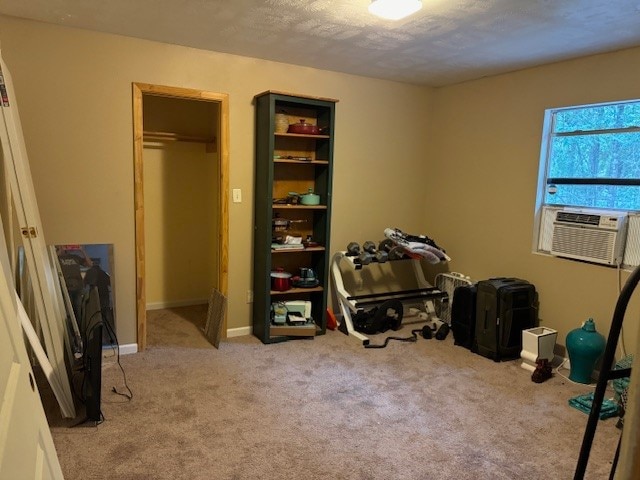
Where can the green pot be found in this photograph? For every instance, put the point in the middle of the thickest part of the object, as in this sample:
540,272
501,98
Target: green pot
310,198
585,347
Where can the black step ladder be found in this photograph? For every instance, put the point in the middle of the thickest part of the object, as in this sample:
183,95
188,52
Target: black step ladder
606,374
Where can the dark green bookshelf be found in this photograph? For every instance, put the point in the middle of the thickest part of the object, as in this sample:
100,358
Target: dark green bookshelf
276,176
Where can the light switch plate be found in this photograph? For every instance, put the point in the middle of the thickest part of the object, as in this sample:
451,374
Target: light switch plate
237,195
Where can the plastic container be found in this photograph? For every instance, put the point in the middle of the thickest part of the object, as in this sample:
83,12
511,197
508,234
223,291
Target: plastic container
281,122
537,344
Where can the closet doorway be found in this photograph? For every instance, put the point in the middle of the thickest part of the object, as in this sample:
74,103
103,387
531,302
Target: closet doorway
181,186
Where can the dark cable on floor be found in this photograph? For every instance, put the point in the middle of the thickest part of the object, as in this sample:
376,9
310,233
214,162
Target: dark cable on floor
425,332
412,338
116,348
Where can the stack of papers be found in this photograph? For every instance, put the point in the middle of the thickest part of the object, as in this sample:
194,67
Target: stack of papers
287,246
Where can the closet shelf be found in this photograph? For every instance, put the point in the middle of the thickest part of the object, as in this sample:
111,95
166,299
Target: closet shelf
210,142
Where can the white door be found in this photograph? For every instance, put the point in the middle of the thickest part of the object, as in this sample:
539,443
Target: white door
26,447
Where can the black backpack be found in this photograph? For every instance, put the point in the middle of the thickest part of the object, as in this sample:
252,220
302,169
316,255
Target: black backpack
463,316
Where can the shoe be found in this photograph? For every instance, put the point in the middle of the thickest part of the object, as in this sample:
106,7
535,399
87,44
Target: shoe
542,371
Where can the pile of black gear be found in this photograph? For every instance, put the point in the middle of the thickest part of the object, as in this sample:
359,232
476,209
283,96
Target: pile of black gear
388,316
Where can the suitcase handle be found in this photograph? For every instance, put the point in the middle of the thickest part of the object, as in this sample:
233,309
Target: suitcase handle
505,279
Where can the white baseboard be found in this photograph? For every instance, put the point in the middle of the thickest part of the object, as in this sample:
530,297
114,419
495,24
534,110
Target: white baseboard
126,349
231,332
177,303
129,348
239,332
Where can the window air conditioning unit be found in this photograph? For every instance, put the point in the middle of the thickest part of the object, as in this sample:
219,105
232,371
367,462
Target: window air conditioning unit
591,237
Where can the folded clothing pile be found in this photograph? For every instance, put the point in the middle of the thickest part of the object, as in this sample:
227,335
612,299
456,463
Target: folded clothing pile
583,403
418,245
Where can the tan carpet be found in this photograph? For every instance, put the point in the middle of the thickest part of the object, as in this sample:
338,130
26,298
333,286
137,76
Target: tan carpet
326,409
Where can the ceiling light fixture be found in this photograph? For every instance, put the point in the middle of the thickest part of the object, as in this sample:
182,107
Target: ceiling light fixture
394,9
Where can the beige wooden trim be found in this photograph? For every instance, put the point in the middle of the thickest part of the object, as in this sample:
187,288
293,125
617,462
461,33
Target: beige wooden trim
292,331
140,89
310,97
179,92
223,241
138,202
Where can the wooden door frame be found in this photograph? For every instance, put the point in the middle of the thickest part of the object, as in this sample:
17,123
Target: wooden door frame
140,89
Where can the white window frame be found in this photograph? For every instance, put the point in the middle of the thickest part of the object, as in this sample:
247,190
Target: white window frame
544,211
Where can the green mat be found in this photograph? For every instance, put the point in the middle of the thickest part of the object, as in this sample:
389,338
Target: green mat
583,403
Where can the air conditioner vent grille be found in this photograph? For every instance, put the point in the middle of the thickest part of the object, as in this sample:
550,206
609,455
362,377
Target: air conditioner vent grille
584,243
590,237
581,218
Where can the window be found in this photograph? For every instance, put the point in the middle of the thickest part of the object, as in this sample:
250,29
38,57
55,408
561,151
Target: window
590,160
593,156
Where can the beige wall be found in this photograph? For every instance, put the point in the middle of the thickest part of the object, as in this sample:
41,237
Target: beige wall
180,215
482,181
458,163
181,203
73,88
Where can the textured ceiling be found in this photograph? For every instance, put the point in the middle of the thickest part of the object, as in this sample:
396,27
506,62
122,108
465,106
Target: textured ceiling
448,41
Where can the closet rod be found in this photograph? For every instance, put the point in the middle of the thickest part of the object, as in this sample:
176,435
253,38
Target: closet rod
176,137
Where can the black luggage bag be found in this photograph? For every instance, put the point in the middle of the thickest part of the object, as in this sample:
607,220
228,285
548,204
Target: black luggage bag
463,316
505,307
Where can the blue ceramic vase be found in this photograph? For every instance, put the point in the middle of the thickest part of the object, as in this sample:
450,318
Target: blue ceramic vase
585,347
